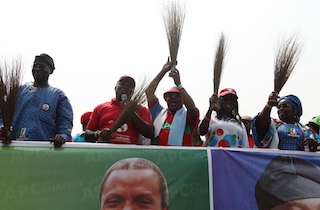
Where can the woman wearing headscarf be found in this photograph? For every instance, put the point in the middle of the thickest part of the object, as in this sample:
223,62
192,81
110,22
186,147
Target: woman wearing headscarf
285,133
226,129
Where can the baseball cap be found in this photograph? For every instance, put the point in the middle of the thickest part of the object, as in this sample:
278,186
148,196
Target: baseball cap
227,91
85,117
126,77
172,90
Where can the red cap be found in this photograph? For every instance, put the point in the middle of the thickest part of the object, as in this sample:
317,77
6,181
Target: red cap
85,117
227,91
128,78
172,90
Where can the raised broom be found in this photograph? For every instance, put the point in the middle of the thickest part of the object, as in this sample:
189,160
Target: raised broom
219,63
218,67
288,55
173,15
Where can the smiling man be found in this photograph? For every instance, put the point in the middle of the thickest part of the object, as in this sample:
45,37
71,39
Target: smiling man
134,183
174,125
43,112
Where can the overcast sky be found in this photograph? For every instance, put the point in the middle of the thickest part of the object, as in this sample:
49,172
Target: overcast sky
94,42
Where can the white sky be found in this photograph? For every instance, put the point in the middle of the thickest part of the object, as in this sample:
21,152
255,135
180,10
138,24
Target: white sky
95,42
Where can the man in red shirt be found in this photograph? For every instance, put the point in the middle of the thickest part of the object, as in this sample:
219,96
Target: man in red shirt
173,125
105,115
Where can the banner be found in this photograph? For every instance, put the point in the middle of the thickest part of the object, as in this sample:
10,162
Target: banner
34,175
41,177
236,173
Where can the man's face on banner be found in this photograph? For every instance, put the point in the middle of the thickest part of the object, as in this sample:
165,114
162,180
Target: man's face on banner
131,189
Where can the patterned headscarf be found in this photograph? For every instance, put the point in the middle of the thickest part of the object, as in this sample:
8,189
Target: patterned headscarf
296,103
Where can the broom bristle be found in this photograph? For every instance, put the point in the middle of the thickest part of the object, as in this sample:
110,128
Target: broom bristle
10,81
287,57
173,16
219,63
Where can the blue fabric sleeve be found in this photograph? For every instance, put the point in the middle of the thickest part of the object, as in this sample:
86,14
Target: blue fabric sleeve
64,118
259,141
155,110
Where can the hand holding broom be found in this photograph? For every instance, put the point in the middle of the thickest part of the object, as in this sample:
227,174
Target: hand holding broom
5,135
214,103
272,99
104,136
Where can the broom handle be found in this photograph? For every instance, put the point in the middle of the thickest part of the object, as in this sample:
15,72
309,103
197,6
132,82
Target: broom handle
173,68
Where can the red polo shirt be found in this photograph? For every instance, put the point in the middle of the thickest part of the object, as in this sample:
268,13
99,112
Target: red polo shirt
106,114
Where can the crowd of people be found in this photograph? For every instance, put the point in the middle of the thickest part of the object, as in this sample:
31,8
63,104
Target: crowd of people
44,113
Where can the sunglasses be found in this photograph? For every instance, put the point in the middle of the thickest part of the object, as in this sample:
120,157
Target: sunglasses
171,95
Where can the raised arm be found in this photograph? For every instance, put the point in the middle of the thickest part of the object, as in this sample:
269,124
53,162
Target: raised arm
263,118
186,98
214,105
151,89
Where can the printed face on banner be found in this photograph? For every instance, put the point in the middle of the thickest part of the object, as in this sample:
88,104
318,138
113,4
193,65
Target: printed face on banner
141,178
289,182
131,189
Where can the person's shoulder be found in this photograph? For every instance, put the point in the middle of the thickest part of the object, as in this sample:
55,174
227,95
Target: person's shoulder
27,85
56,90
197,110
104,104
153,103
142,106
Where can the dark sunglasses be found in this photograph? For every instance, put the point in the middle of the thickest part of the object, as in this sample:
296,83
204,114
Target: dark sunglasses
171,95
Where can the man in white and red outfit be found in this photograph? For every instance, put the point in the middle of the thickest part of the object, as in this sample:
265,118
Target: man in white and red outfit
174,125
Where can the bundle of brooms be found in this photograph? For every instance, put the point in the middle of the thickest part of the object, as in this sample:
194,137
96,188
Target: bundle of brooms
173,16
138,98
219,63
10,81
287,57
